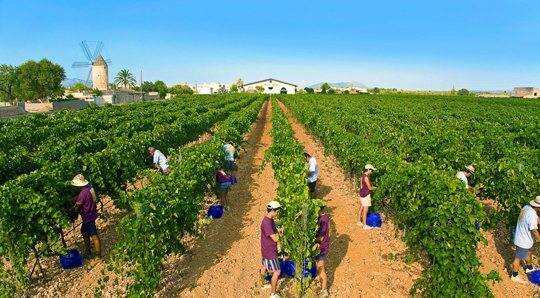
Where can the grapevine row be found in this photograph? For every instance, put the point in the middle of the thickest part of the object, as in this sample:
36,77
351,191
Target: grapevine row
168,207
299,214
33,206
429,204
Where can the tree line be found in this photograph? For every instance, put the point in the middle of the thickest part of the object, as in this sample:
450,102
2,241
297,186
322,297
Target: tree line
32,81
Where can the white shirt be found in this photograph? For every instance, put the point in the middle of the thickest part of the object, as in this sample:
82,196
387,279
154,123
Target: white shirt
461,176
313,170
161,160
527,222
229,152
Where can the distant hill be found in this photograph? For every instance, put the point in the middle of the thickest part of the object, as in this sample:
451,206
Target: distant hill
340,85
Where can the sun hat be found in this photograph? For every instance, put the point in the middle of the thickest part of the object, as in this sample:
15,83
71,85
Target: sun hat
370,167
79,180
273,205
470,168
535,202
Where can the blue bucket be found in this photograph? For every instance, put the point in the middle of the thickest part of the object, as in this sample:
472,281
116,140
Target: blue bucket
215,211
534,277
288,269
374,220
72,259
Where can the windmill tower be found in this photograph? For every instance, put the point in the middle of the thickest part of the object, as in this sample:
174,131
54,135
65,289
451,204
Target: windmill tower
99,69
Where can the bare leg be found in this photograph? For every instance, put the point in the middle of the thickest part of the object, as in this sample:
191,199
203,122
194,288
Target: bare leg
322,274
515,265
97,245
360,212
274,281
364,214
88,249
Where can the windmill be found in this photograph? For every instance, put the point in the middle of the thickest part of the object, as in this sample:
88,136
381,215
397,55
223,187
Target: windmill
99,69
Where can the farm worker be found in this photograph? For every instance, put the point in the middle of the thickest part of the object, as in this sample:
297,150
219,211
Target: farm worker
525,235
269,251
313,172
323,243
223,182
465,175
85,203
365,195
159,160
229,151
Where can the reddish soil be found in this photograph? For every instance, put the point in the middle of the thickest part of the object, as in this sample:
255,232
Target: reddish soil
498,255
361,262
81,281
224,262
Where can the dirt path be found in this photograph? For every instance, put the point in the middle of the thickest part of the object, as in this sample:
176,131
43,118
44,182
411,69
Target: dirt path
497,255
361,262
225,262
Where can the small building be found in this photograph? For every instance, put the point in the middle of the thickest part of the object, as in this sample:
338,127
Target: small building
527,92
210,88
271,86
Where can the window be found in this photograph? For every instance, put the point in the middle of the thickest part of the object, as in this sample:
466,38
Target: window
270,87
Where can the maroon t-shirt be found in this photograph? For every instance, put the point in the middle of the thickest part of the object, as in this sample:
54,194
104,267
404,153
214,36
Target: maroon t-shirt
364,190
268,245
322,233
87,204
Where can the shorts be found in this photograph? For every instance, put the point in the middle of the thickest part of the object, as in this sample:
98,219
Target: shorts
224,187
365,201
230,165
89,228
312,186
521,253
321,256
271,264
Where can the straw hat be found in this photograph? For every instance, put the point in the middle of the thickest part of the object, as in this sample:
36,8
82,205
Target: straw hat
370,167
535,202
470,168
79,181
273,205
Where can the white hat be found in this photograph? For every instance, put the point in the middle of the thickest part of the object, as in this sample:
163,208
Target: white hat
79,181
273,205
470,168
535,202
370,167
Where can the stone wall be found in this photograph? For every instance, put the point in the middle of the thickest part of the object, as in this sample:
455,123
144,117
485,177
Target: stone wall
69,104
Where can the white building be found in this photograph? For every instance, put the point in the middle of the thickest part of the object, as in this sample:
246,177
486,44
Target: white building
271,86
210,88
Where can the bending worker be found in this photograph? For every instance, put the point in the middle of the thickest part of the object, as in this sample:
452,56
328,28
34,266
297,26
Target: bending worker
465,177
159,160
85,202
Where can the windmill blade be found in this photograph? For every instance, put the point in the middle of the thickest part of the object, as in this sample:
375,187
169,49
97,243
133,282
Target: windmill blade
86,51
97,50
80,64
87,82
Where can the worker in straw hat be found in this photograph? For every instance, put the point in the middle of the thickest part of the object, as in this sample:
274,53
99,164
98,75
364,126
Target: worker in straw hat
365,195
269,250
159,160
85,203
525,235
465,177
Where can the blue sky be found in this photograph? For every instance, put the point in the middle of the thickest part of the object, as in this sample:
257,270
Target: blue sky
434,44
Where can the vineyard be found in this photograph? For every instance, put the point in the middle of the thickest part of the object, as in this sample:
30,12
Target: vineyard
416,142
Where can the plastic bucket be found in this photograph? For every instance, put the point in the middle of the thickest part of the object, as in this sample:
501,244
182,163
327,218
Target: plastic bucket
215,211
534,277
72,259
288,269
374,220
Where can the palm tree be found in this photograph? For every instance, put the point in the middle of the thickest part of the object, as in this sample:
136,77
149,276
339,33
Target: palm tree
125,79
